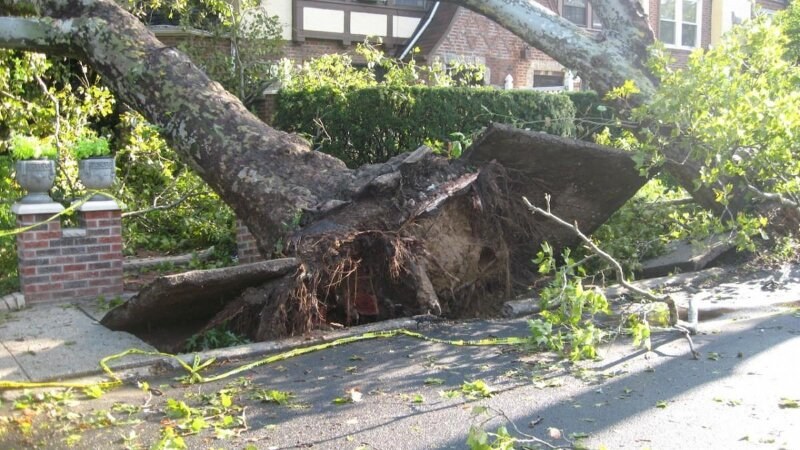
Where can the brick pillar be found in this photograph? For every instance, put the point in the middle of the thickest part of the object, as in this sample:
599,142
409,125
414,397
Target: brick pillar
73,263
101,222
267,105
38,259
246,245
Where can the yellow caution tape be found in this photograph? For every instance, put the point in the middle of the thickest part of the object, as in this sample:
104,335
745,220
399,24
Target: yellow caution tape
69,209
193,371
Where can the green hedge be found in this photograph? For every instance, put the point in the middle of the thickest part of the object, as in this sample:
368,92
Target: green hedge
8,221
373,124
591,114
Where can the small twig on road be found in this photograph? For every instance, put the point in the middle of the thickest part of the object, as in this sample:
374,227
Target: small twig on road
688,334
527,437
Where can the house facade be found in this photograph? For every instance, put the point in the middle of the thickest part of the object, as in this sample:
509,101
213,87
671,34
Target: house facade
445,32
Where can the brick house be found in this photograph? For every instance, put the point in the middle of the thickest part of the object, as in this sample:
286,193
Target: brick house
447,32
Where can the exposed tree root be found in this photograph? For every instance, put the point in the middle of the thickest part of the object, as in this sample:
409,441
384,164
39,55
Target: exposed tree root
420,234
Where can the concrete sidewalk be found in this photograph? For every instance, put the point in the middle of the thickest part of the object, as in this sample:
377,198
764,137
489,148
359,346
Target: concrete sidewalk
60,341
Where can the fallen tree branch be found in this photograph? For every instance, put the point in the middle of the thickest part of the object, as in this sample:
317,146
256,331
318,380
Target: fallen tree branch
686,328
177,202
597,250
772,196
527,438
687,333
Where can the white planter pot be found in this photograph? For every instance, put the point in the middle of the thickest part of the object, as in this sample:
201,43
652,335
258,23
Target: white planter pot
37,177
97,174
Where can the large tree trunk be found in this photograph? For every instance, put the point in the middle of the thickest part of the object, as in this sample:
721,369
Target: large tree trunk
424,235
606,58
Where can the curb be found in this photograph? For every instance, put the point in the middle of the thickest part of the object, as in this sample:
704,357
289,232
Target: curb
252,350
134,264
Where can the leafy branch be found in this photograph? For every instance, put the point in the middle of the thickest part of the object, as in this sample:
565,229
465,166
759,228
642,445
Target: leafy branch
686,329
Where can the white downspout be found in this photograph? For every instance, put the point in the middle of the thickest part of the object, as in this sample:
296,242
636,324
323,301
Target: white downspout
421,30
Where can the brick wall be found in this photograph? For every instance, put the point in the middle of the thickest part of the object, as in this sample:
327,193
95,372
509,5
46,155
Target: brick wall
476,38
68,264
246,245
300,52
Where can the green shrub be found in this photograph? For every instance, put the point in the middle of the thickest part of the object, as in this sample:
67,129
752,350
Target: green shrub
8,221
30,147
150,169
592,114
91,146
373,124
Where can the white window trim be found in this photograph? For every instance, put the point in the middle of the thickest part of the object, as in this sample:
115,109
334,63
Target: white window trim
679,22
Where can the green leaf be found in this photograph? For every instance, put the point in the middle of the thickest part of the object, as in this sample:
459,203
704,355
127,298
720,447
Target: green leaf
451,394
476,389
198,424
342,400
94,391
225,400
177,409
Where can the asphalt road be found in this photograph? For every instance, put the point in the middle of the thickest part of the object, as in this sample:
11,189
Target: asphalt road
729,398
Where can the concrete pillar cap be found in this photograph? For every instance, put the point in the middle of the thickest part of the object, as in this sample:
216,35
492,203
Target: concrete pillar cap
99,205
23,209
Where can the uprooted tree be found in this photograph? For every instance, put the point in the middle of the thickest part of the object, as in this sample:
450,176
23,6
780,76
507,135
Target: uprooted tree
420,233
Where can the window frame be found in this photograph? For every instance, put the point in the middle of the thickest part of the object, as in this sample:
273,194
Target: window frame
589,19
678,22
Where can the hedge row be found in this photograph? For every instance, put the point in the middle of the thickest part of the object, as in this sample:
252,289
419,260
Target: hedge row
591,114
373,124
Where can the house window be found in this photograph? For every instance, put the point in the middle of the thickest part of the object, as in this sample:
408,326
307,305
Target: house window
409,3
679,23
417,4
580,13
548,80
576,11
596,24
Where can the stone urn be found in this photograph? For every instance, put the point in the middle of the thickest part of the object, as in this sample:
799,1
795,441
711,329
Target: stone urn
97,173
37,177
